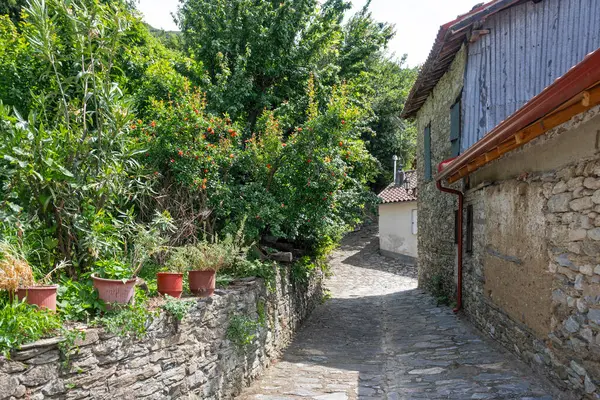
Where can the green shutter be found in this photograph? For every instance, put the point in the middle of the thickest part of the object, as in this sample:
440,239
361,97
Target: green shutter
455,128
427,155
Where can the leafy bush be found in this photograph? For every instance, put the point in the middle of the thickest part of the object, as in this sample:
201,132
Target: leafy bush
308,186
131,320
69,167
241,330
22,323
78,300
177,308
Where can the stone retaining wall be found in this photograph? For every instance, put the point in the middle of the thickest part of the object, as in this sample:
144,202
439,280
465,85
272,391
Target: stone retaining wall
191,360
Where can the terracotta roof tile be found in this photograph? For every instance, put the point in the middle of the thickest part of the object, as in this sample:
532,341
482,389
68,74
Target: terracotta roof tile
397,193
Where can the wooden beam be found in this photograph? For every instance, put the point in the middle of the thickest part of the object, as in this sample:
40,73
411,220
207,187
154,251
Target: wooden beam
519,137
476,34
585,100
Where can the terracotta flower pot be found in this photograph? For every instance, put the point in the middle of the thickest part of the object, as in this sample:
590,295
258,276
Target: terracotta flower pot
170,283
202,283
114,290
41,296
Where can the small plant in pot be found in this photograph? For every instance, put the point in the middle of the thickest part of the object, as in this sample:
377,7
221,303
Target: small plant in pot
115,278
203,260
115,281
16,276
170,281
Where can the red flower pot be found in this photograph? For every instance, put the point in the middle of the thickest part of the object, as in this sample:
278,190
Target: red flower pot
202,283
41,296
170,283
114,290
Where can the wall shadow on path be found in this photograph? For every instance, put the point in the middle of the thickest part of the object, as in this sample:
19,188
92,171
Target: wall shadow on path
368,257
382,338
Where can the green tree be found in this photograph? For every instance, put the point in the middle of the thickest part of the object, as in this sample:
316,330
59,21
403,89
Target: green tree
388,134
259,54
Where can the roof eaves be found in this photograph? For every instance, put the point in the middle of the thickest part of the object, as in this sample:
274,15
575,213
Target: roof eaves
563,90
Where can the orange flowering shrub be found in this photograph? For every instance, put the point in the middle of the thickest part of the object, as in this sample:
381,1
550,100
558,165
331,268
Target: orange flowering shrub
300,185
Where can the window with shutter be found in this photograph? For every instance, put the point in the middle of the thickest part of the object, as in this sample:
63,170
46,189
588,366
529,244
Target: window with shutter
427,153
455,128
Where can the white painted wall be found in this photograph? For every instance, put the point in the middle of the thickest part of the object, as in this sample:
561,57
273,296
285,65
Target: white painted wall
395,228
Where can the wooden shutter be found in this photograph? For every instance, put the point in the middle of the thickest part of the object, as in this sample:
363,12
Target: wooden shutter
455,128
427,152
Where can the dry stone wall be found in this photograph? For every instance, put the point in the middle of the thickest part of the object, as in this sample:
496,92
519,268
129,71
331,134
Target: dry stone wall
193,359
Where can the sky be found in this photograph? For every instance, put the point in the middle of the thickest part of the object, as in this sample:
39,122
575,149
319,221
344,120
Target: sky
417,21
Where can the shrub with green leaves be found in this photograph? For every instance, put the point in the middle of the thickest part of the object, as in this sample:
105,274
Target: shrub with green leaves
69,167
23,323
78,300
242,330
308,186
130,320
177,308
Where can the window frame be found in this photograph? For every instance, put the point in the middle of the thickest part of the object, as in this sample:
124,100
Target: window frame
455,127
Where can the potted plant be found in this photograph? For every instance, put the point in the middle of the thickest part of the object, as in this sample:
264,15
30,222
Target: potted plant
170,281
16,276
115,278
203,260
115,282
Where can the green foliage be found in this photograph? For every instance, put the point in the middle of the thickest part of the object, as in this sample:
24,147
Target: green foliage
177,308
12,9
131,320
22,323
266,270
258,54
67,346
69,167
261,312
436,286
302,270
114,269
205,256
388,134
241,330
78,300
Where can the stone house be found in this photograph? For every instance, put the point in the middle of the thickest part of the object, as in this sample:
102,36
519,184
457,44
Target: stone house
507,105
398,218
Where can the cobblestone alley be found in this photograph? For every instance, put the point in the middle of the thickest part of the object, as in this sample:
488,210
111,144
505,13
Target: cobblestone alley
379,337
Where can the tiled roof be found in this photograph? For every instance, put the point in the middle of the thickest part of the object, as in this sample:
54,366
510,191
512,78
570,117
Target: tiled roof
397,193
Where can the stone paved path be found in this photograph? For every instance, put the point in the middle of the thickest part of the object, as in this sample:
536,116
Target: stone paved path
379,337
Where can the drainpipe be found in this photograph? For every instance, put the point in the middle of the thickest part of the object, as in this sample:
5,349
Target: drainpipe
460,234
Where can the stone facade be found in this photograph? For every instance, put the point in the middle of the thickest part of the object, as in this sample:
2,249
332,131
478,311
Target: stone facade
192,359
532,279
436,244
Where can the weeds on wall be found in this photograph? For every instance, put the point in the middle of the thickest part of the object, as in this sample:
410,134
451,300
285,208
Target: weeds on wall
177,308
131,320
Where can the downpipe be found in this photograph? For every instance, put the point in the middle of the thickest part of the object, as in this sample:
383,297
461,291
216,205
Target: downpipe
460,236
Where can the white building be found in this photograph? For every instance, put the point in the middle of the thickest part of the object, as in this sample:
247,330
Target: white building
398,218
